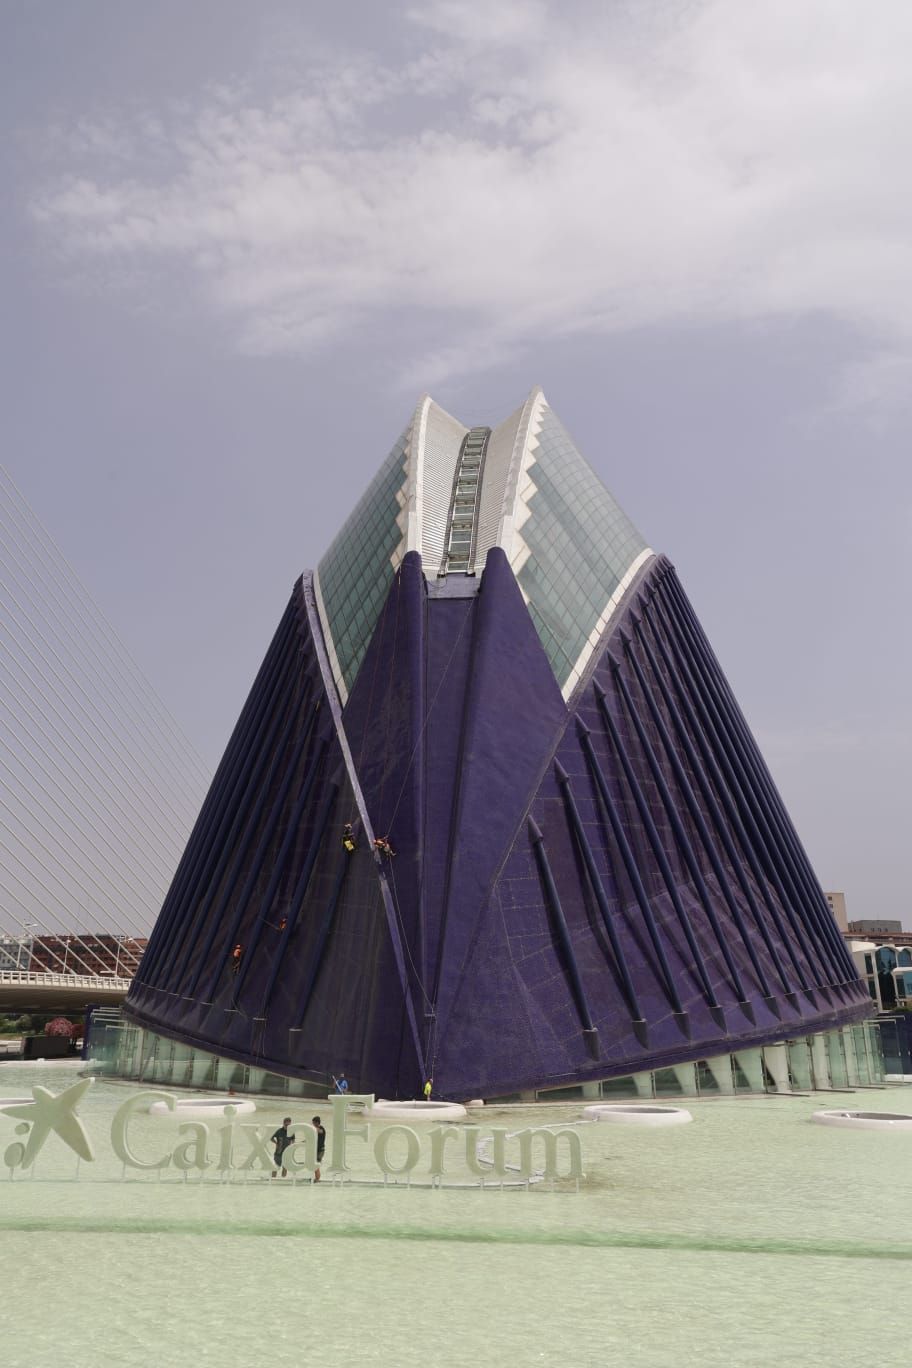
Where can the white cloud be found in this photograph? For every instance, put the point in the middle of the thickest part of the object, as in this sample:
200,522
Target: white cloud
524,175
505,22
879,384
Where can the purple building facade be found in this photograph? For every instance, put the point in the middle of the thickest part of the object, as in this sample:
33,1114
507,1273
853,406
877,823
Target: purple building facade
593,873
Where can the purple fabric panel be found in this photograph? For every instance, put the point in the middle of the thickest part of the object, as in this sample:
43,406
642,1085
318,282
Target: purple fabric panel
194,873
355,1020
412,1052
384,723
512,716
449,656
512,1023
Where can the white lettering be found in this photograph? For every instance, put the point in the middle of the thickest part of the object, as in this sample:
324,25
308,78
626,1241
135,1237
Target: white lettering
412,1149
226,1143
498,1152
119,1129
307,1143
438,1138
259,1147
497,1165
549,1139
471,1152
397,1149
192,1153
341,1106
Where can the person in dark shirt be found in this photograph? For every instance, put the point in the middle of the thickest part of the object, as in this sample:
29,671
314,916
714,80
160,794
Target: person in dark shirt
321,1144
281,1139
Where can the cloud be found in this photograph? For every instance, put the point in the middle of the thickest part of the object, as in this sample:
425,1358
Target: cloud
879,385
506,22
527,171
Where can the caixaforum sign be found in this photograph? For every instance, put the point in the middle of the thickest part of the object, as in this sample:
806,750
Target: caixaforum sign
234,1146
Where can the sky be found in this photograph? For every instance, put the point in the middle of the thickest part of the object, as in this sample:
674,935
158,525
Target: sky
238,242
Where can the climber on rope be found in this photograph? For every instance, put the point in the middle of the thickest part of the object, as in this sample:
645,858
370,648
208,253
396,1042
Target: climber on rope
383,847
348,839
237,955
428,1089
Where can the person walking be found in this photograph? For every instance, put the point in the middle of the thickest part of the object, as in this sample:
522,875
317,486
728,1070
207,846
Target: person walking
321,1144
281,1139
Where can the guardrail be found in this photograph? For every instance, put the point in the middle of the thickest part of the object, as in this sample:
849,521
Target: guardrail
91,982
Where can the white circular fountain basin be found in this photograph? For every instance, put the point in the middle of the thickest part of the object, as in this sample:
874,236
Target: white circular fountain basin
637,1116
204,1108
417,1110
861,1120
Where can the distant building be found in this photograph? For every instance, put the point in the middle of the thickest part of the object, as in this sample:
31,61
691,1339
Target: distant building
875,928
92,953
13,953
837,905
887,971
879,931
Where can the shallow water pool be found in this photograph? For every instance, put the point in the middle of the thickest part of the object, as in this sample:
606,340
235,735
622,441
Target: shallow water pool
750,1236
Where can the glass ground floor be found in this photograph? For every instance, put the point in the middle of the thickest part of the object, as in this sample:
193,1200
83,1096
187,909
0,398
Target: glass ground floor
851,1057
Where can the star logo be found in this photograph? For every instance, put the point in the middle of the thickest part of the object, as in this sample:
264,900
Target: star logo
53,1113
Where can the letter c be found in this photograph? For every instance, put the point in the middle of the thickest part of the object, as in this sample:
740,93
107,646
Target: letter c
122,1117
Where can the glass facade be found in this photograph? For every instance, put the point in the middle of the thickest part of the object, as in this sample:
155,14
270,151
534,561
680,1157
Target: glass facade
355,573
896,1037
836,1060
904,984
581,544
801,1064
852,1056
849,1057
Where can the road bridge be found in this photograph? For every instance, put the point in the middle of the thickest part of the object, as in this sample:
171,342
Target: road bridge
28,991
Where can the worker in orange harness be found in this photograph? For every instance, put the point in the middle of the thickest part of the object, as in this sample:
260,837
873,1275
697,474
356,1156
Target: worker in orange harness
237,955
382,846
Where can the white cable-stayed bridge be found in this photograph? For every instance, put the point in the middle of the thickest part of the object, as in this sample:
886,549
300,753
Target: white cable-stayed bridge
98,787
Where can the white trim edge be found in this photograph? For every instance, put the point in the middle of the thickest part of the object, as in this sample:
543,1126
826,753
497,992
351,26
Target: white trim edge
605,617
328,641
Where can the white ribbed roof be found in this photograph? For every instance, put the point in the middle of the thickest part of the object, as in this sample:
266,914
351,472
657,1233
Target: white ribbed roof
436,440
572,549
